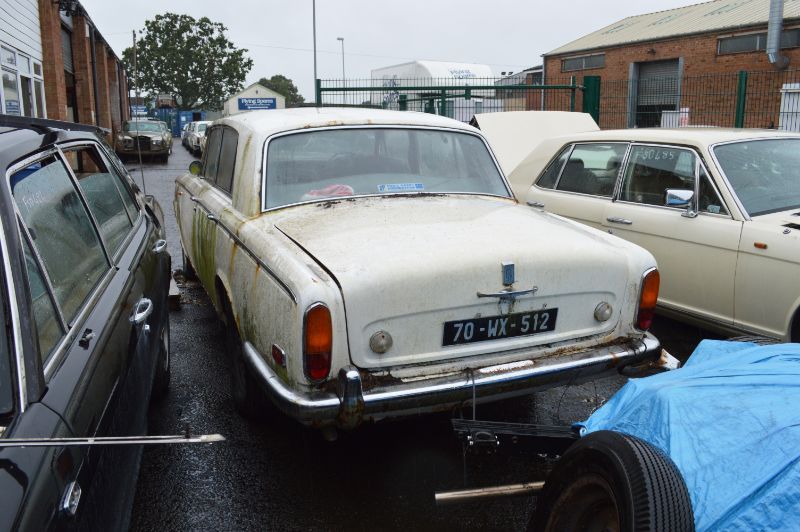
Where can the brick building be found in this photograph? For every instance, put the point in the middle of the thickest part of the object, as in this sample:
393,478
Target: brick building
56,64
682,65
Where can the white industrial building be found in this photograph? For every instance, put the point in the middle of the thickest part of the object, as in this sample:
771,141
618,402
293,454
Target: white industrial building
253,98
458,104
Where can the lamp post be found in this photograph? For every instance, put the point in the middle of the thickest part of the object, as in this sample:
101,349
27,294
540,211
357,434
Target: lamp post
314,28
341,39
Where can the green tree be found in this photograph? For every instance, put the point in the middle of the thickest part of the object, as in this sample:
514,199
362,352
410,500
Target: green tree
285,87
189,59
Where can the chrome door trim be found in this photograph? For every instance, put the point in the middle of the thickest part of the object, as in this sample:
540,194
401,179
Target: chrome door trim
19,355
238,242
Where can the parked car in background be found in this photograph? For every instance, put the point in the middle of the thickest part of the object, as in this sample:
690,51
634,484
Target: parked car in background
84,282
152,137
372,264
718,208
196,131
184,134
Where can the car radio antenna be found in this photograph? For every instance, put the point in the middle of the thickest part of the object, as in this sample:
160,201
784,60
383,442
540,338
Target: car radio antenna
136,121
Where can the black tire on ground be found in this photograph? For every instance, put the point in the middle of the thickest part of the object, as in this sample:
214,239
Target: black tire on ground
612,481
188,269
163,370
248,398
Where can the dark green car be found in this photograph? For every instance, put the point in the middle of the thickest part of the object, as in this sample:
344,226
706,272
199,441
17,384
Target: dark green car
152,137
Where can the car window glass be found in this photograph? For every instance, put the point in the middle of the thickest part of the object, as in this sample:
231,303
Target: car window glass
6,364
227,159
141,126
763,173
123,181
316,165
651,170
211,156
548,178
709,200
592,169
201,127
101,193
62,231
48,326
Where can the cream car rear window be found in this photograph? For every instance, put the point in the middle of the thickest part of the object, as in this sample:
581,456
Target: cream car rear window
335,163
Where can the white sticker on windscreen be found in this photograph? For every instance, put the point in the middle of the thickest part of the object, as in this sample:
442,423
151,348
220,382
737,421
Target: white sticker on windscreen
401,187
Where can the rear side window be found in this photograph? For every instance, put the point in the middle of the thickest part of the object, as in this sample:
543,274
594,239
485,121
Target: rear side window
592,169
227,159
102,194
62,232
550,175
211,159
48,326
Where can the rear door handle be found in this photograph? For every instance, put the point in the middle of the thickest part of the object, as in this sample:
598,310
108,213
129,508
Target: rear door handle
535,204
211,217
616,220
141,311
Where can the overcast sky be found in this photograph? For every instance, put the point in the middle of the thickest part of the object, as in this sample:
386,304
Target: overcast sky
508,35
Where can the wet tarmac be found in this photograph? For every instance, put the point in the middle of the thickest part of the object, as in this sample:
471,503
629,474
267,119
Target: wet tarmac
276,475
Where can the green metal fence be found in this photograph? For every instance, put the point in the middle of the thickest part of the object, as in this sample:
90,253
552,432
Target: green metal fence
756,99
763,99
448,97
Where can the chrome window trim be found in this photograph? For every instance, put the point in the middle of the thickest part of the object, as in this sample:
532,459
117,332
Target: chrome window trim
140,215
376,126
553,160
16,335
698,164
95,225
561,171
26,235
712,152
617,180
701,166
72,330
213,184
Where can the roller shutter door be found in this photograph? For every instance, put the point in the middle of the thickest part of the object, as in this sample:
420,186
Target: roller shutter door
658,83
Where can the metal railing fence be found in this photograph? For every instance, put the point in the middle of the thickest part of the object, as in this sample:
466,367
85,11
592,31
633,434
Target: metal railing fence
763,99
447,97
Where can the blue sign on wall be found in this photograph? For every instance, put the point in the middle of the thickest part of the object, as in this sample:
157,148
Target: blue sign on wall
251,104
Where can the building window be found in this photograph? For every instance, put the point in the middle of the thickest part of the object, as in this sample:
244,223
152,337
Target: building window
22,90
584,62
756,42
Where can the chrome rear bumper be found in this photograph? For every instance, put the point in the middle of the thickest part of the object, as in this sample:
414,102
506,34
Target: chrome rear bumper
352,404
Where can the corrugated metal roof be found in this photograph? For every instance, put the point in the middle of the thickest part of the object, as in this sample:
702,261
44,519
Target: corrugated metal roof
699,18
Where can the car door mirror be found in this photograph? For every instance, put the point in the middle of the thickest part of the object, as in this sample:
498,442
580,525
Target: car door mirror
679,197
195,167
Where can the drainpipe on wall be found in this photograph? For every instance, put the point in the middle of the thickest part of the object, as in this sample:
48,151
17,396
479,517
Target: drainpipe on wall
774,31
93,44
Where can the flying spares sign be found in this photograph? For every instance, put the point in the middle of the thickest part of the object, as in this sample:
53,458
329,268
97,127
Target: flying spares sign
251,104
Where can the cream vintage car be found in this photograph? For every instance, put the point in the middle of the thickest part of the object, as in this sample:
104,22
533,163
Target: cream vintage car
373,264
718,208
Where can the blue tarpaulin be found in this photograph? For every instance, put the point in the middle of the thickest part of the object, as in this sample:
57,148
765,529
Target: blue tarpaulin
730,420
